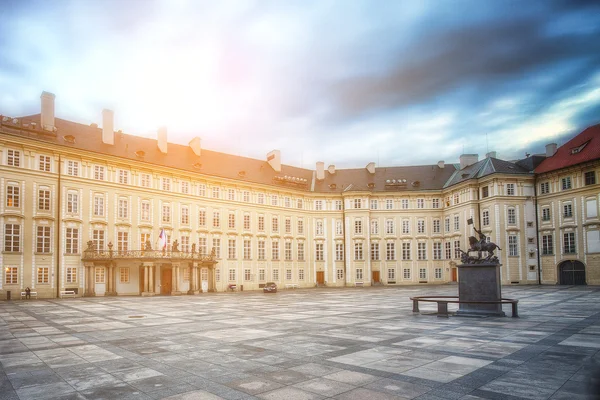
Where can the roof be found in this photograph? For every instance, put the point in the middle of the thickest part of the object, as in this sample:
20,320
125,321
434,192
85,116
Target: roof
487,166
582,148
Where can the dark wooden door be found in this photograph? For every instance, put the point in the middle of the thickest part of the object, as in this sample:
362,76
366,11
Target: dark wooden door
166,280
320,277
376,276
572,273
454,274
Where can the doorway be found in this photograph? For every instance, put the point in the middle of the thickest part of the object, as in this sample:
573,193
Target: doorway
572,272
454,274
376,277
320,278
166,279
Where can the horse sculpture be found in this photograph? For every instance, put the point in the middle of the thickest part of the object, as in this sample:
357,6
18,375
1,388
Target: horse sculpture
480,246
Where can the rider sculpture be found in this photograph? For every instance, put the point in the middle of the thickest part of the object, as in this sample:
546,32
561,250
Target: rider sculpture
480,246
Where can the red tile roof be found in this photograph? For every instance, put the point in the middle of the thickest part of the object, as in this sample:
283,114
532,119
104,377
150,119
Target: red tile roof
567,154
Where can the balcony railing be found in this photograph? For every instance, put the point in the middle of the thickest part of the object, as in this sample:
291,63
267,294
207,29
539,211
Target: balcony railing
107,255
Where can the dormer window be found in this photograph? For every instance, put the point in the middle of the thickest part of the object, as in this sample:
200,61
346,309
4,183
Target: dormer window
578,149
69,138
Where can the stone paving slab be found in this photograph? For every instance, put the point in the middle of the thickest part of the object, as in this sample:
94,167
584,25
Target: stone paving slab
308,344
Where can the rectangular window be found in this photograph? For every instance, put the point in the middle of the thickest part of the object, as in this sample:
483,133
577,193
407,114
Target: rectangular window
593,241
390,251
486,218
547,245
436,226
247,274
124,274
216,246
357,203
406,273
246,196
438,273
389,204
288,251
12,238
485,192
122,241
247,249
300,251
44,200
123,177
260,198
13,196
437,250
544,187
43,275
299,204
216,219
185,215
319,252
404,204
359,274
358,251
231,221
513,246
276,275
232,275
166,184
261,223
301,274
590,178
435,203
98,239
456,223
457,249
13,158
391,274
318,205
231,194
319,228
546,214
337,205
73,168
231,249
274,200
43,239
185,187
358,227
218,274
448,248
261,250
144,239
201,218
185,244
340,273
420,203
374,204
123,209
247,222
288,225
300,226
405,227
166,213
374,227
567,210
566,183
72,241
422,273
374,251
569,243
261,274
422,251
389,227
11,275
275,224
145,180
339,252
406,251
420,226
216,192
44,164
275,250
510,189
339,228
98,205
512,216
288,203
447,224
72,203
71,275
202,249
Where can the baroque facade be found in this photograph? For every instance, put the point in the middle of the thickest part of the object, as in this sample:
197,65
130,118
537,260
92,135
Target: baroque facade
82,207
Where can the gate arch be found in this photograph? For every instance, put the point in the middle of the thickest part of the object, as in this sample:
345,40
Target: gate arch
571,272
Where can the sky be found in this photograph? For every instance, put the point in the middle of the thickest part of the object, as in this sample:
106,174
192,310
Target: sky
345,82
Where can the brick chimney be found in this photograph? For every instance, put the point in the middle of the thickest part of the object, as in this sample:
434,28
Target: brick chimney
108,127
468,159
371,167
551,149
274,160
320,170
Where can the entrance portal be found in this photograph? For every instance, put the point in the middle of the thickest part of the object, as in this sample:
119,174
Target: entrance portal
454,274
572,272
376,277
166,279
320,278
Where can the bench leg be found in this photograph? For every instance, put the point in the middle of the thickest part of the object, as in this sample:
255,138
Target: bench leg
415,305
515,312
442,309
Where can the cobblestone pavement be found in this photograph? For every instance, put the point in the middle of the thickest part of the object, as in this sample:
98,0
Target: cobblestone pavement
352,343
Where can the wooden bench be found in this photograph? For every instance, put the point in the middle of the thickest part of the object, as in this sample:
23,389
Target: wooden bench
31,295
291,286
442,303
67,293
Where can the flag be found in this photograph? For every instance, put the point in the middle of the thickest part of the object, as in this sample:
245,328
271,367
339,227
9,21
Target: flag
162,240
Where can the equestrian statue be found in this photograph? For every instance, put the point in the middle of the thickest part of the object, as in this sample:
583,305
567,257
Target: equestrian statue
479,245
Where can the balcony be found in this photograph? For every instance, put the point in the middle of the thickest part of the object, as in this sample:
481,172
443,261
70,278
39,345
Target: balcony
91,254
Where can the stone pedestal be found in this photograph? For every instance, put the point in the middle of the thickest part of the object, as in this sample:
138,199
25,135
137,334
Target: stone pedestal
479,282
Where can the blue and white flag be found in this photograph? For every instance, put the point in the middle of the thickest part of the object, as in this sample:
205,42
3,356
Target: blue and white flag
162,240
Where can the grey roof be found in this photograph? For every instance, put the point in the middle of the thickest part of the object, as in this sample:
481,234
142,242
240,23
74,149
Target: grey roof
485,167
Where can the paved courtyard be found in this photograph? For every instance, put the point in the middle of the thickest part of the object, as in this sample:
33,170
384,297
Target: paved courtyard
354,343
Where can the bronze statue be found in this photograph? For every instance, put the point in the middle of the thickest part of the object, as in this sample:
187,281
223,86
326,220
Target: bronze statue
479,246
175,246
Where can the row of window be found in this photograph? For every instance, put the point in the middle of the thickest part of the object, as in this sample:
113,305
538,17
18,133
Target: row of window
591,210
589,178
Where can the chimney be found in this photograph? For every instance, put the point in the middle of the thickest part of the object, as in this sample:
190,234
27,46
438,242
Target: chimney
162,139
274,160
195,145
47,111
320,170
468,159
331,169
371,167
441,164
550,149
491,154
108,129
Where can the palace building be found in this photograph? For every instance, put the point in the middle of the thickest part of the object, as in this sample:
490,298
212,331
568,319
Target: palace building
82,207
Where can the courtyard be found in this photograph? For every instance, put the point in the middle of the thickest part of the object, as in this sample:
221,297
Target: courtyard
351,343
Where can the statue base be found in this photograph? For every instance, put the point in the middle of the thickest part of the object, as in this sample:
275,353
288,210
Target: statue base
479,282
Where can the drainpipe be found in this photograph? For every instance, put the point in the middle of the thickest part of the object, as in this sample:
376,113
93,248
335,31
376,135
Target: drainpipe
57,234
344,240
537,229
